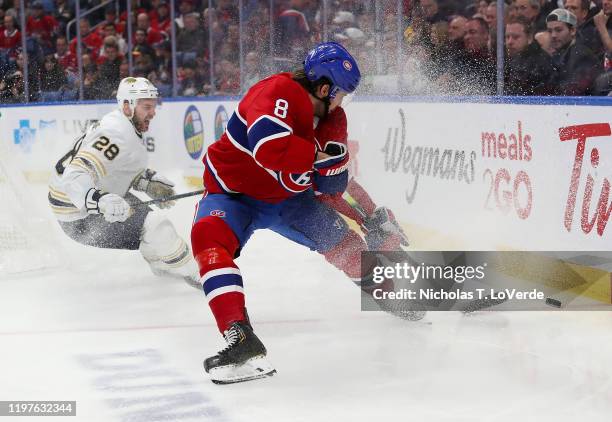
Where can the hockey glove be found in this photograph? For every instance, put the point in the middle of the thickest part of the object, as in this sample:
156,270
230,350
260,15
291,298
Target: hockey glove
156,186
383,232
331,175
113,207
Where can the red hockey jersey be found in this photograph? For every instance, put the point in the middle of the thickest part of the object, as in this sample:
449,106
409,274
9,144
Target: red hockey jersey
268,149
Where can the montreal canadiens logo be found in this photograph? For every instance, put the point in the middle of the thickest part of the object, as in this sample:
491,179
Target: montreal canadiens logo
347,65
295,182
217,213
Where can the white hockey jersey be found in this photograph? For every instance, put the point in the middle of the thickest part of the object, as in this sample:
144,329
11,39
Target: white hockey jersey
109,156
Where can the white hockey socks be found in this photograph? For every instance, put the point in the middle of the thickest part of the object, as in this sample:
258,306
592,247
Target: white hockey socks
166,252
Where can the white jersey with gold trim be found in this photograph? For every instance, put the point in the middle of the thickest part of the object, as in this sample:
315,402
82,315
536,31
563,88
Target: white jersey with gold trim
109,157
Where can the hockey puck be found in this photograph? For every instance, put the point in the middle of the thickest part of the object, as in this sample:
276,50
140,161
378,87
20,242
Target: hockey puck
553,302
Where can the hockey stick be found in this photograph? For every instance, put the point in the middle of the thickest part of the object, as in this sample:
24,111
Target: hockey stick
169,198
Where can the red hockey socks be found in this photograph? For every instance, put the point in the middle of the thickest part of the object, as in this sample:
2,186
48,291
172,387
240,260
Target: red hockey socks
346,255
214,245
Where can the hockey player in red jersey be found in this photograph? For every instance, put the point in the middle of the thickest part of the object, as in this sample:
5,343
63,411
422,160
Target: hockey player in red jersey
260,175
378,224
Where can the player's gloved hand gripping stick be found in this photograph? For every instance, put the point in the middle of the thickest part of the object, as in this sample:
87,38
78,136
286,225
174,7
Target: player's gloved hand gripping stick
113,207
157,187
331,168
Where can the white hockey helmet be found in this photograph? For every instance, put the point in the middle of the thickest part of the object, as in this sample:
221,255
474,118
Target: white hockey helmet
132,89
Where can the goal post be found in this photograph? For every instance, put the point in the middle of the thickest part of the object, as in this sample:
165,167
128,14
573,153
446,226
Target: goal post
27,237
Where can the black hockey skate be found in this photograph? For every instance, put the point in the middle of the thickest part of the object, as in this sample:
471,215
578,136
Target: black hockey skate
243,359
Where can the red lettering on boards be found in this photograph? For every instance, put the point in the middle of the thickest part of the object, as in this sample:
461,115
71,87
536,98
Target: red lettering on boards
581,133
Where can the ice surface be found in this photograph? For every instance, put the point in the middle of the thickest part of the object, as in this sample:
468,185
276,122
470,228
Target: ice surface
128,346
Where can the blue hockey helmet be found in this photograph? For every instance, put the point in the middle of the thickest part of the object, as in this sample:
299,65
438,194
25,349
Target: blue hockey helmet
332,61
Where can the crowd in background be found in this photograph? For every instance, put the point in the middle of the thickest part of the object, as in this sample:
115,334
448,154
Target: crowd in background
559,47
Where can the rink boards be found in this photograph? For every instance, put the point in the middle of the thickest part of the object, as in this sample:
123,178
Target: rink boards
461,173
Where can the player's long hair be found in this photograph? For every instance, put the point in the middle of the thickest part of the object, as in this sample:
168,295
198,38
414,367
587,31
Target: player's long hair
299,76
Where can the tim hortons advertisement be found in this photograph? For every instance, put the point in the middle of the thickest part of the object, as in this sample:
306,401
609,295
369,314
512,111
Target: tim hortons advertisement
493,175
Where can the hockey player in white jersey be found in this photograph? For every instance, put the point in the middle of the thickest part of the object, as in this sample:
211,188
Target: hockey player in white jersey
90,196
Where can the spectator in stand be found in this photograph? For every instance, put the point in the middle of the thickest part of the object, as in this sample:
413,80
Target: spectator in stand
138,7
445,55
110,30
256,31
456,31
481,8
543,39
91,39
141,46
528,68
151,10
10,38
63,14
228,78
190,84
546,7
87,60
185,7
530,10
14,10
217,30
491,16
586,33
124,69
53,78
64,57
365,22
33,74
91,87
143,66
431,11
352,38
475,69
37,41
153,35
163,61
12,88
161,19
232,43
603,24
108,71
292,33
438,53
342,20
110,18
37,51
574,65
192,38
45,25
439,35
511,10
491,19
227,12
252,67
202,69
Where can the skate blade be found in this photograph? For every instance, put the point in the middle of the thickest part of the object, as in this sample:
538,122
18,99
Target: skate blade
255,368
